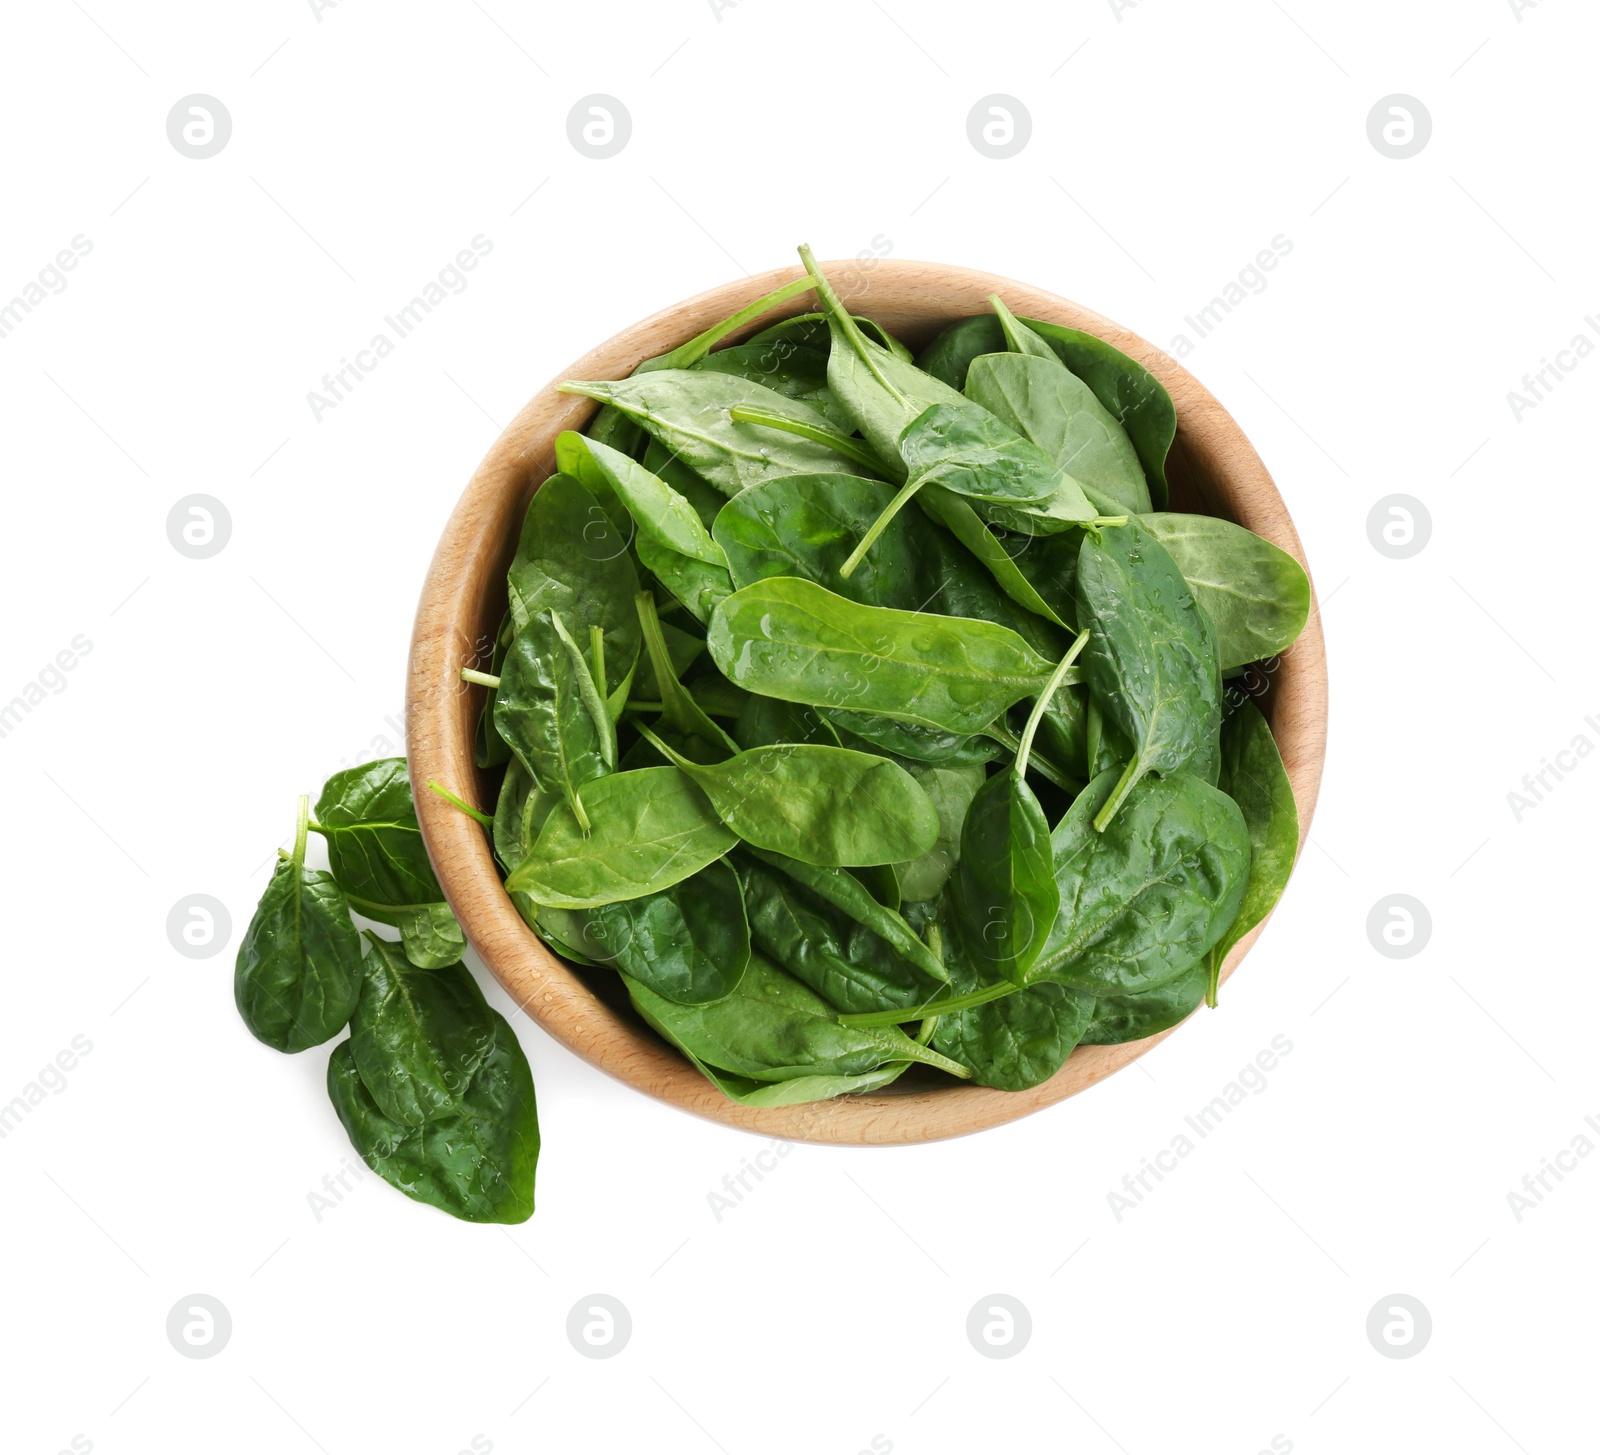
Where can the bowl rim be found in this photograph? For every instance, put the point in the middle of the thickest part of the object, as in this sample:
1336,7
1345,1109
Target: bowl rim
475,547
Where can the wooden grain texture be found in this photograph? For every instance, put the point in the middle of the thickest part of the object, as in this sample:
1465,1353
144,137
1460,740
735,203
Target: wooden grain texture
1213,469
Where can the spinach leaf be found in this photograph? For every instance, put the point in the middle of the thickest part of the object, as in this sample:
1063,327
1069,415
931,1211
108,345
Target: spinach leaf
659,511
950,355
766,720
374,842
826,806
706,499
1006,899
1015,1042
1253,776
652,828
810,331
880,391
848,964
1048,404
550,711
844,891
1256,595
790,638
784,367
418,1035
951,790
1131,394
773,1028
1145,899
1151,663
688,412
799,1089
968,527
429,933
1119,1018
911,740
571,559
688,944
298,970
478,1165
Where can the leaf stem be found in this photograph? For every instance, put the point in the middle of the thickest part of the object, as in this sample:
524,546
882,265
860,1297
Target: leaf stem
1037,761
851,449
597,650
932,1007
485,819
1212,979
841,315
690,353
1025,744
302,824
880,525
483,679
1130,775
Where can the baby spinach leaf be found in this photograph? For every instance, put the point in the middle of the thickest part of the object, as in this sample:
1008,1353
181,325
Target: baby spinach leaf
1131,394
706,499
1145,899
821,805
1151,663
374,842
844,891
659,511
298,970
1048,404
571,559
766,720
1119,1018
790,638
800,1089
773,1028
688,944
429,933
478,1165
652,828
851,966
1015,1042
880,391
786,368
810,331
951,790
1005,896
911,740
688,412
1257,596
549,710
519,814
950,355
418,1035
1253,776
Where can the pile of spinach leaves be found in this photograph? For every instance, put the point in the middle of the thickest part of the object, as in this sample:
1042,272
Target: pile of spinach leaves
851,695
431,1084
860,712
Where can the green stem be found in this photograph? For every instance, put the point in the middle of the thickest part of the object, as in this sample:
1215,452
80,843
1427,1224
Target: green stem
1101,521
1025,745
929,1057
841,315
841,444
638,705
925,1030
302,825
932,1007
880,525
1130,775
1037,761
655,645
483,679
597,650
362,906
700,345
1213,979
485,819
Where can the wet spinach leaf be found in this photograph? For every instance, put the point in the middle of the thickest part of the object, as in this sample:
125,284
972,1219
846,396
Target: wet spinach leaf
951,353
1253,776
298,971
374,841
792,639
1151,663
951,790
1119,1018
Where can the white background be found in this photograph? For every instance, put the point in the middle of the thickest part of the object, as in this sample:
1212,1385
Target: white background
1171,142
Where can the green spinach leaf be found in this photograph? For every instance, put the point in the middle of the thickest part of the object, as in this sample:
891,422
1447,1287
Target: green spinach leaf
374,840
1119,1018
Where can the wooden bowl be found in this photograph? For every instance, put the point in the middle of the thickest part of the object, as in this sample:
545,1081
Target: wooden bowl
1213,470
